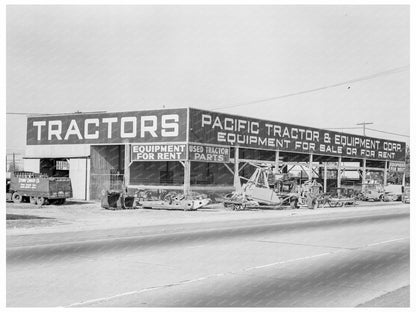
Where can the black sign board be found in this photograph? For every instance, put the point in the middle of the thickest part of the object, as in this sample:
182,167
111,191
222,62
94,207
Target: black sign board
127,127
209,153
158,152
224,129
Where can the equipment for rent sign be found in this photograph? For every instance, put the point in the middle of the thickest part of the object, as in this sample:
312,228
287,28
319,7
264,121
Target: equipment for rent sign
224,129
100,128
158,152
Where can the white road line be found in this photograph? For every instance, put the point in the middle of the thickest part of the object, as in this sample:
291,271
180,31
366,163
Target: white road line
135,292
191,280
387,241
287,261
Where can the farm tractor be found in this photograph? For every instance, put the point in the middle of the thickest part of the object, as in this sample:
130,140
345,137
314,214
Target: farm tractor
266,189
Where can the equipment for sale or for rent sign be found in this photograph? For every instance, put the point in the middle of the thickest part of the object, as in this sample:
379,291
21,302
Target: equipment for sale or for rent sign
224,129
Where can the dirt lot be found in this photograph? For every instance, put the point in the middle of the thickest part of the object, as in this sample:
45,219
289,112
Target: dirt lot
81,216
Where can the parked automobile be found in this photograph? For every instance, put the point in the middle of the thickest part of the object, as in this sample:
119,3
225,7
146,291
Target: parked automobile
372,192
406,194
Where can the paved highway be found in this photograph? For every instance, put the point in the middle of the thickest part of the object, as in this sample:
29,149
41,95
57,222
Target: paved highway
341,261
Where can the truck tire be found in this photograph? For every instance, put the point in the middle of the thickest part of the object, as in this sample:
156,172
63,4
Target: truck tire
40,201
17,198
294,204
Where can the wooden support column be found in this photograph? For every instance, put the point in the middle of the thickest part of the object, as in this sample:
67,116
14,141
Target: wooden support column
325,176
237,183
339,172
126,165
386,170
186,177
364,171
310,173
276,162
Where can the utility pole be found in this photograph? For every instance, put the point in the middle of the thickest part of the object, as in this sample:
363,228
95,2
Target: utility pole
364,169
363,124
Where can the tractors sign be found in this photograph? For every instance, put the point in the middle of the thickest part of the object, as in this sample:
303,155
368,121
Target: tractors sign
224,129
101,128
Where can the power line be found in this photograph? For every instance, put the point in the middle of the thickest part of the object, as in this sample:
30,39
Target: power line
24,114
343,128
403,135
369,77
45,114
371,129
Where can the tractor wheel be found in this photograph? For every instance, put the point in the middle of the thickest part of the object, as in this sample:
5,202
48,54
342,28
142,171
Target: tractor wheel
40,201
17,198
294,204
315,203
33,200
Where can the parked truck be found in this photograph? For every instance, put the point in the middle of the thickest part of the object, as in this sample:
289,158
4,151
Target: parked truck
39,189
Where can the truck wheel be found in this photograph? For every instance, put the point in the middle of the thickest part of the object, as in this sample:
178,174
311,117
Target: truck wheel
294,204
40,201
17,198
33,200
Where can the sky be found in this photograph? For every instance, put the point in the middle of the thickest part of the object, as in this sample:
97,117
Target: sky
63,59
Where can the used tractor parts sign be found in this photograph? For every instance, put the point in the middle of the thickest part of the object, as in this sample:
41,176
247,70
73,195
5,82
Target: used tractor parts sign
209,153
158,152
126,127
223,129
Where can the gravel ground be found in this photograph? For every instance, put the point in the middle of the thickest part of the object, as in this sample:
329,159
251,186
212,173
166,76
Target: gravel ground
82,216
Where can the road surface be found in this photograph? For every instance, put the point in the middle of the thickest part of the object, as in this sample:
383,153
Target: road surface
340,261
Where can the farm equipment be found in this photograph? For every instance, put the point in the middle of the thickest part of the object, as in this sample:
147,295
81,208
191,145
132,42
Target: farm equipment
340,197
116,200
174,201
311,194
39,189
263,190
372,192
